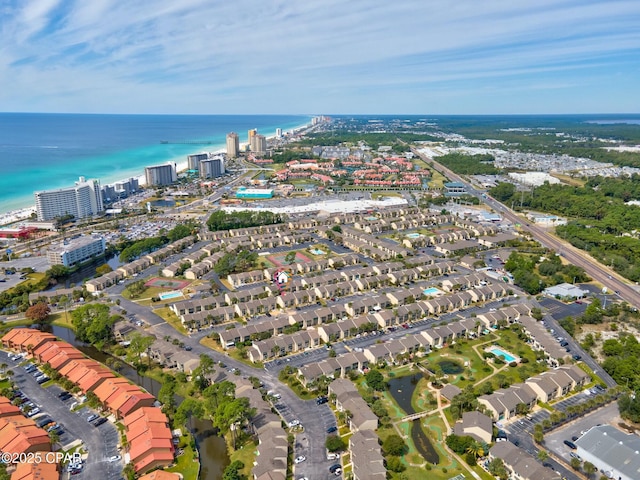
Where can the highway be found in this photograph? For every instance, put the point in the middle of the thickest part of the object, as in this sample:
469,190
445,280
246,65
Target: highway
592,267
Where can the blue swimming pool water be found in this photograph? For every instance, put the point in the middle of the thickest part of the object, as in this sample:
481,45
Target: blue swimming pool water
168,295
501,353
431,291
414,235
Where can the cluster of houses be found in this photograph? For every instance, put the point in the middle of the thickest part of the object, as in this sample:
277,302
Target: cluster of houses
133,268
340,321
377,172
149,438
366,456
20,435
502,404
520,464
272,452
396,350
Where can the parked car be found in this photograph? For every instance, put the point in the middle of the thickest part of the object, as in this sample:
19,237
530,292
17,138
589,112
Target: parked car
322,400
570,444
92,417
100,421
332,429
300,459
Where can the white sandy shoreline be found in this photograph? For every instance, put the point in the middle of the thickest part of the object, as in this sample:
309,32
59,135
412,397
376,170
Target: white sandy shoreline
21,214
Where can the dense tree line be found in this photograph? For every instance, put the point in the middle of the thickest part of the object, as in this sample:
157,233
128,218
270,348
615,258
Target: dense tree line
220,220
622,360
232,262
469,164
93,324
372,140
600,221
534,276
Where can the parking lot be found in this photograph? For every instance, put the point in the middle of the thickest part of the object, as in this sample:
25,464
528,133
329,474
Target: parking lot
554,441
101,442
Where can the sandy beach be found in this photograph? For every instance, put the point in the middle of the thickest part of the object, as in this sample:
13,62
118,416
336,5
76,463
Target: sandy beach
14,216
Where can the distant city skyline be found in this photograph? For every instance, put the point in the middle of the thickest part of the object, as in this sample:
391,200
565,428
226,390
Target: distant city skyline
333,57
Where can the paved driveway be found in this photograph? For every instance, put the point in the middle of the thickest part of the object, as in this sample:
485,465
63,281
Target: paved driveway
101,442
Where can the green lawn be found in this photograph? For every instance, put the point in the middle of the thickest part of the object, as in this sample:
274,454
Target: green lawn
187,464
246,454
171,318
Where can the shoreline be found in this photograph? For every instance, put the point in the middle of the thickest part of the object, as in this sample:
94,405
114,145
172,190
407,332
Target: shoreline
17,215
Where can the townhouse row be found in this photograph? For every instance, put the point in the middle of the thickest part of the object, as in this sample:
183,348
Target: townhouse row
364,448
149,440
137,266
503,404
345,327
20,435
272,452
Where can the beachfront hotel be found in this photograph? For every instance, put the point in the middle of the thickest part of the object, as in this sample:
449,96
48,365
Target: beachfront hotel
193,161
212,167
160,175
82,200
233,145
76,250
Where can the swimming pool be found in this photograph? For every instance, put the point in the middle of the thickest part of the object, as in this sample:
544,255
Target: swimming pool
498,352
317,251
431,291
169,295
413,235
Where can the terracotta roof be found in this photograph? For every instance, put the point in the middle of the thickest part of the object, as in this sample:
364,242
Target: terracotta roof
130,401
36,471
152,460
160,475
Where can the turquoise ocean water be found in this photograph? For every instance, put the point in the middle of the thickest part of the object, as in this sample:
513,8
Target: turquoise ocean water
46,151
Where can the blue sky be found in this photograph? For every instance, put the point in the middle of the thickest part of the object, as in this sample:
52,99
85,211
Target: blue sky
320,56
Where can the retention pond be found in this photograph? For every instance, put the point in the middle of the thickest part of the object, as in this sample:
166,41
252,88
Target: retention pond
401,390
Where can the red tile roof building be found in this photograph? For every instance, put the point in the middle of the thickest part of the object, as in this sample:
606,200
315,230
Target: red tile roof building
36,471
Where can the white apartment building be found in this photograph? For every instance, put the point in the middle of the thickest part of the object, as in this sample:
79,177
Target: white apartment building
76,250
82,200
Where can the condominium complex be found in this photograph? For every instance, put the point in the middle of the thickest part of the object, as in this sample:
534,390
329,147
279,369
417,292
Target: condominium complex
82,200
250,134
120,189
212,167
258,144
160,175
193,161
76,250
233,145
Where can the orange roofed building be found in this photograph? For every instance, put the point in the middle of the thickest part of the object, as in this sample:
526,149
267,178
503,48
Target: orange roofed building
21,435
150,440
36,471
7,409
24,339
160,475
56,354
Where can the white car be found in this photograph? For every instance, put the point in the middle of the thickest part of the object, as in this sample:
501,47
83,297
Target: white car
115,458
294,423
300,459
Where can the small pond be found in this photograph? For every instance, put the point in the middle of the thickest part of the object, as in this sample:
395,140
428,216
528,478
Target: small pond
451,367
401,390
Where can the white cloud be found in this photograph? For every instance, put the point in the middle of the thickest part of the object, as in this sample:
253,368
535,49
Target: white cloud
214,55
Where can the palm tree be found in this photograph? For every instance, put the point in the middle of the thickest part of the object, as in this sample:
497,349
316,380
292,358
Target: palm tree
476,449
54,437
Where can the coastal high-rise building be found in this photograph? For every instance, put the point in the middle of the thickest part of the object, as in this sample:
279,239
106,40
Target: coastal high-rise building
118,190
82,200
252,133
278,132
258,144
233,145
160,175
212,167
193,161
